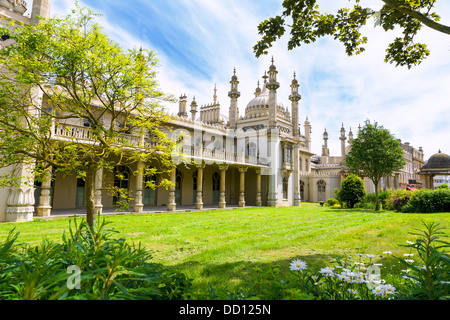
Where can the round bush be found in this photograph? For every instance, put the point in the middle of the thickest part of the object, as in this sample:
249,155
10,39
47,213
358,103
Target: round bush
352,190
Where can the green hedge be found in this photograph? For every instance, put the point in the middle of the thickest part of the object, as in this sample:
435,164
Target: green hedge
428,201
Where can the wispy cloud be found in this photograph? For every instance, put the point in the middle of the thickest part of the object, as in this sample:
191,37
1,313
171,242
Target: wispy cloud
199,42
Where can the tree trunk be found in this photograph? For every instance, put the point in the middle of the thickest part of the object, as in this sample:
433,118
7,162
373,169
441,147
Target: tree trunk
377,202
90,196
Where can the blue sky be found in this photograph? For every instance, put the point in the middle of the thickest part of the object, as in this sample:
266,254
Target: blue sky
199,42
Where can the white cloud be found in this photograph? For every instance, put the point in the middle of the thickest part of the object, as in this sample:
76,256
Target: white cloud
335,88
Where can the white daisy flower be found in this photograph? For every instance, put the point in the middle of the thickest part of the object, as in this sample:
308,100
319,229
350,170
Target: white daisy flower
352,291
298,265
327,271
378,291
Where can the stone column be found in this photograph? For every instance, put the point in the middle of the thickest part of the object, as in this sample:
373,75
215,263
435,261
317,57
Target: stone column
199,199
222,202
98,185
272,198
242,171
171,206
44,208
258,187
138,199
20,203
295,156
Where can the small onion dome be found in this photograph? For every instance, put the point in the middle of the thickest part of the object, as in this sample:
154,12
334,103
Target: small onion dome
261,102
438,161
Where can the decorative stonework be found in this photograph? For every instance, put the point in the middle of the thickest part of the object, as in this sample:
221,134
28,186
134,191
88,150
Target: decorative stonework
18,6
20,204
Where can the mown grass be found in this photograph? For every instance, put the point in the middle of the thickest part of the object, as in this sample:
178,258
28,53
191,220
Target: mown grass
222,247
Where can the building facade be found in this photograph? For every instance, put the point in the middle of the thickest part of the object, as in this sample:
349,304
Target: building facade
259,157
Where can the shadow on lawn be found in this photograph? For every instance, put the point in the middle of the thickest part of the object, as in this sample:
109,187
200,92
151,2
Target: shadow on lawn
231,274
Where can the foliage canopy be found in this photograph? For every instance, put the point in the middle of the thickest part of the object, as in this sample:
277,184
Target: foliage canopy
374,154
65,77
307,24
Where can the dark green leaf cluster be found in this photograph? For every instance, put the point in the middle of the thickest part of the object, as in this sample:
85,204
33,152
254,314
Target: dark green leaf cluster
375,153
430,281
429,201
109,269
352,190
307,24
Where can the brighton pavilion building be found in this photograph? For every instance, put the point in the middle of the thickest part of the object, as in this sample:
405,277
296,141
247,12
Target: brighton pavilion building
259,155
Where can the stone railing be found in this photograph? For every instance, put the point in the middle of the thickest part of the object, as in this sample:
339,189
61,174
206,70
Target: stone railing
218,155
80,134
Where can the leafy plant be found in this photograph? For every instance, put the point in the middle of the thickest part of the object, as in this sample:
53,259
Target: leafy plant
352,190
430,281
428,201
109,268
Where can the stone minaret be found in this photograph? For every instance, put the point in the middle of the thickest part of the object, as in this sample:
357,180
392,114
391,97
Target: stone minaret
182,107
258,90
234,94
295,98
325,150
272,85
193,109
40,8
308,134
343,138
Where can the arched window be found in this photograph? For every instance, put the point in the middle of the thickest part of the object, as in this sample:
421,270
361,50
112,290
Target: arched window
80,197
178,182
250,150
285,188
302,190
121,181
150,190
321,190
216,187
194,186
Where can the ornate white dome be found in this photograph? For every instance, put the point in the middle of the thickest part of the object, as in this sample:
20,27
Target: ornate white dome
259,106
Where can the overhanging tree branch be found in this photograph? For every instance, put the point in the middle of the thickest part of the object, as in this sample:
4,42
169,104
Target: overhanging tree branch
418,15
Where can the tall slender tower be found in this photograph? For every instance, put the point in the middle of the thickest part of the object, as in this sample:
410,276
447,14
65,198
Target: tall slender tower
343,138
41,8
308,134
325,150
234,94
193,109
295,98
182,107
272,85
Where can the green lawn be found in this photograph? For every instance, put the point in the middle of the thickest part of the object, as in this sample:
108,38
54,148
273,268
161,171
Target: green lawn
221,247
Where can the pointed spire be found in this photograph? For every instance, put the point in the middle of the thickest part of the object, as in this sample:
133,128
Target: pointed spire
215,94
258,90
265,77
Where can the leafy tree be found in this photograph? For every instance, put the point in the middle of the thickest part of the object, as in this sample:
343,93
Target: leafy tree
352,190
375,153
66,78
307,24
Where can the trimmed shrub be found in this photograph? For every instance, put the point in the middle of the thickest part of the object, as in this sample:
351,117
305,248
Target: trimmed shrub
382,196
397,199
352,190
332,201
443,186
428,201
